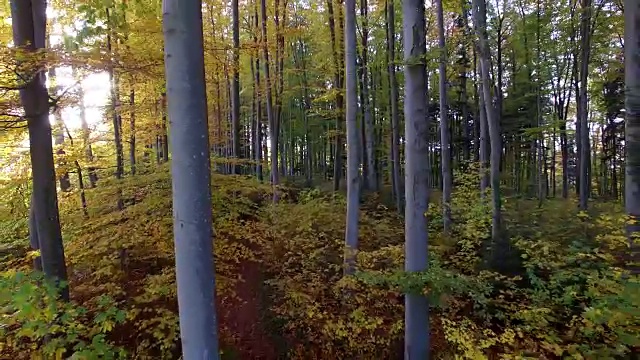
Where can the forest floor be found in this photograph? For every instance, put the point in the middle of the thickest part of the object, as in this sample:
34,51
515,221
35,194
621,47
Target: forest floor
280,290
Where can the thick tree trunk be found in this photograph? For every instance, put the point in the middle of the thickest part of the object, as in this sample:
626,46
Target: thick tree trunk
184,63
417,173
632,128
29,24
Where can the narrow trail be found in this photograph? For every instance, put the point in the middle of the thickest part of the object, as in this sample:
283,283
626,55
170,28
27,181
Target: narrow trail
246,319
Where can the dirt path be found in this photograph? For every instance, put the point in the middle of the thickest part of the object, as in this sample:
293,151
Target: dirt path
246,319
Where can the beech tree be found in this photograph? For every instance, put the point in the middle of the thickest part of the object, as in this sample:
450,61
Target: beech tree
191,177
416,343
353,141
29,24
632,126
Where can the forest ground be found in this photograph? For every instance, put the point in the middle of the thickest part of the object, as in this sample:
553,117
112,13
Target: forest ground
280,290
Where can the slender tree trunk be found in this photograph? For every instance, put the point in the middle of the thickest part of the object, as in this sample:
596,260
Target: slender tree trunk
115,104
306,101
445,145
353,158
416,345
585,50
258,133
235,87
632,129
29,24
495,139
93,177
483,139
393,96
165,135
132,129
58,134
273,134
369,131
184,63
337,82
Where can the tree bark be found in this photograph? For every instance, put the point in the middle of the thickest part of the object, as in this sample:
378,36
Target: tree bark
416,344
585,50
273,131
184,63
396,180
369,130
632,128
353,158
337,83
495,137
29,24
445,145
235,87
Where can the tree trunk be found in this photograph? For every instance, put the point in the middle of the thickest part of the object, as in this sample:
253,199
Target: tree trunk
445,145
337,82
29,24
235,87
396,180
184,63
273,134
585,50
115,104
495,139
93,177
632,128
416,345
132,129
65,182
369,131
353,161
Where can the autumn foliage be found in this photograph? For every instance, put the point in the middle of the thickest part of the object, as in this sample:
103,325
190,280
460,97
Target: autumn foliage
280,284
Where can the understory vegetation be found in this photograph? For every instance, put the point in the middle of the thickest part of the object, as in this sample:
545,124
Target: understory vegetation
280,287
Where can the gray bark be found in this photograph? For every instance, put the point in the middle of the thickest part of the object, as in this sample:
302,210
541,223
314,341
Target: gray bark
585,50
493,122
369,131
273,131
393,89
353,158
483,139
235,87
191,176
115,103
445,144
337,82
29,23
632,127
416,344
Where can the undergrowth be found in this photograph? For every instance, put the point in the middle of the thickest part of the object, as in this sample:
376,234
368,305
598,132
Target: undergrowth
567,298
